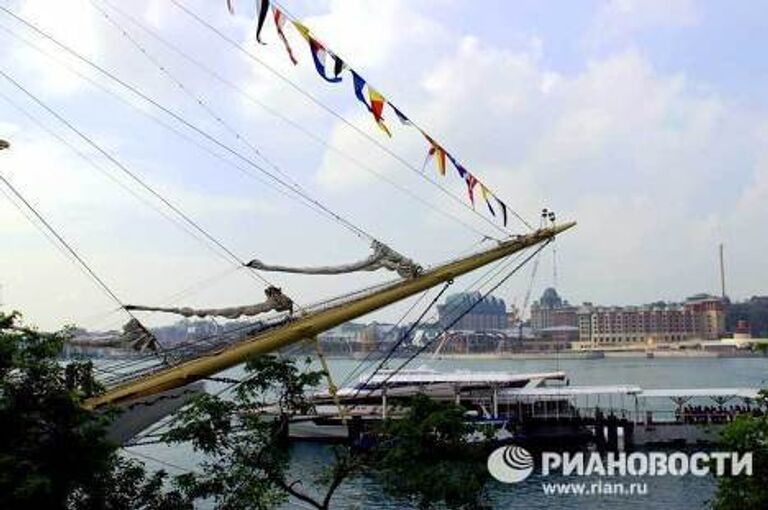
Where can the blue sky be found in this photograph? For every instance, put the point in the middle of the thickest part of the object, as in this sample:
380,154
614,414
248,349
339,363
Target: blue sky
643,120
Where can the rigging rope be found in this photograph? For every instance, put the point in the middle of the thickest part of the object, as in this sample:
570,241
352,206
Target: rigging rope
203,133
527,299
138,334
92,163
168,127
404,336
95,277
306,132
361,365
293,185
334,113
479,283
187,291
460,316
415,124
476,283
137,92
126,170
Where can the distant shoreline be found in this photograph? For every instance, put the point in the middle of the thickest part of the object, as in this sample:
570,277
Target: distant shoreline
580,355
114,353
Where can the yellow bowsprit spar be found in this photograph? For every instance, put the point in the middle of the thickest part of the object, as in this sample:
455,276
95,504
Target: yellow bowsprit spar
310,324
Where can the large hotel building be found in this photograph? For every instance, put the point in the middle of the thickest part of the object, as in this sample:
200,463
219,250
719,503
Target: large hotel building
700,317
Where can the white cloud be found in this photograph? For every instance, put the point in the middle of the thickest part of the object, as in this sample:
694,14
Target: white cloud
620,20
73,23
656,167
631,153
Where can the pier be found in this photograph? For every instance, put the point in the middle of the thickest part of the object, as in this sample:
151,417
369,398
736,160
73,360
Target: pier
539,409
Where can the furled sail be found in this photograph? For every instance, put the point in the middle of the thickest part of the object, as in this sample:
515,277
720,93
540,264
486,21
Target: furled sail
382,257
276,300
138,337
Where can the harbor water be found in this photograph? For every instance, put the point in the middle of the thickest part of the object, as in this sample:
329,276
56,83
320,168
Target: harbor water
686,492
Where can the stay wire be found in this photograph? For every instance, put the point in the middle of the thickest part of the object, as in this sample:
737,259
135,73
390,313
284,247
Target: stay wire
91,162
460,316
404,336
369,357
489,274
177,117
45,233
335,114
63,242
275,113
478,283
156,104
170,128
416,125
292,185
127,171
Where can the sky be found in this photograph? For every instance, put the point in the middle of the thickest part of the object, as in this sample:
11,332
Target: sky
644,121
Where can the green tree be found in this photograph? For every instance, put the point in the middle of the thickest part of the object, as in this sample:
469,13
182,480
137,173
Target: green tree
244,440
53,452
746,434
426,456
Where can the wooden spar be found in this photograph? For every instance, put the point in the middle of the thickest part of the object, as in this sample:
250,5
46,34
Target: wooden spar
313,323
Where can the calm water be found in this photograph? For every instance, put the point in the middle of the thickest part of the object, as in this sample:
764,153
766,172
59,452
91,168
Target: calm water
309,460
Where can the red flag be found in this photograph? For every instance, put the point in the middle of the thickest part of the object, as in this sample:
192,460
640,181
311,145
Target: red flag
377,108
471,183
280,20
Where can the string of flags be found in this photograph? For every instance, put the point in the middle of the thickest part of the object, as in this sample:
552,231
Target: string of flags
331,68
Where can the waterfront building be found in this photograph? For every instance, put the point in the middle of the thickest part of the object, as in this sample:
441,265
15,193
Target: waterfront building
346,338
488,313
558,335
551,311
353,337
699,317
710,315
498,342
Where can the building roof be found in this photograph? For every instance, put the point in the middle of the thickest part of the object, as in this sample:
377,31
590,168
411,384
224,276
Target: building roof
428,376
456,304
572,391
702,392
550,299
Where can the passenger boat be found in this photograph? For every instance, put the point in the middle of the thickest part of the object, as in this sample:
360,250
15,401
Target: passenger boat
535,409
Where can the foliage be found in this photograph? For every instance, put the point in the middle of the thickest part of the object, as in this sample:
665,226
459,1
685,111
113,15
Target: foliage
427,457
746,434
754,311
243,440
53,452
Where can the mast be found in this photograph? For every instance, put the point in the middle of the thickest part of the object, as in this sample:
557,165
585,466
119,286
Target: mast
309,325
722,272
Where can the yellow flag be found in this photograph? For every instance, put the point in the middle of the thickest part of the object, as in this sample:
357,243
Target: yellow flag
302,28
